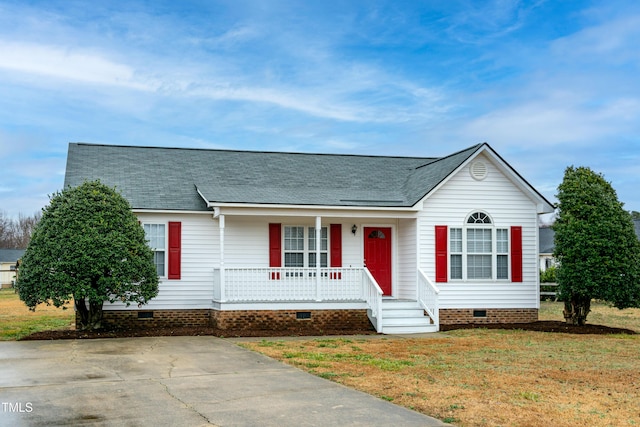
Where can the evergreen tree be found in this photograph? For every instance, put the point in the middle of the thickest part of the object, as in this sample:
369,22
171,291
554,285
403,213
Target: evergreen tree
90,247
596,246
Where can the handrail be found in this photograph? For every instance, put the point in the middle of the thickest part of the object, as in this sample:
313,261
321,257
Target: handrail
428,297
283,284
373,296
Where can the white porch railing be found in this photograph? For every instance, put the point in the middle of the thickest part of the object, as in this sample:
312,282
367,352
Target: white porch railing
428,297
288,284
373,296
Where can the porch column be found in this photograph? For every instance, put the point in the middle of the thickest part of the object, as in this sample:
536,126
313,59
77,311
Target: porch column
221,224
318,236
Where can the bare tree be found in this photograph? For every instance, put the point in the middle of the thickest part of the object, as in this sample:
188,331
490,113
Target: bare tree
16,234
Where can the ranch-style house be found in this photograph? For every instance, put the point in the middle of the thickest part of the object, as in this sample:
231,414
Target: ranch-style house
273,240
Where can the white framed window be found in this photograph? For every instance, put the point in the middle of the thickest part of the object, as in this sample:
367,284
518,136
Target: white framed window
300,246
157,238
478,250
455,245
502,253
324,246
293,246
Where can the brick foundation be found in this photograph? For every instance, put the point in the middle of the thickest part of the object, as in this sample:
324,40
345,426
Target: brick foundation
314,321
453,316
268,320
139,319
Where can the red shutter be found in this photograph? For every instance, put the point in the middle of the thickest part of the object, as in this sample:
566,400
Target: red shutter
516,254
175,249
336,245
441,253
275,245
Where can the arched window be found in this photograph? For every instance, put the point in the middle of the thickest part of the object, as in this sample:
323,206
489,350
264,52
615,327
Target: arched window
377,234
479,250
479,218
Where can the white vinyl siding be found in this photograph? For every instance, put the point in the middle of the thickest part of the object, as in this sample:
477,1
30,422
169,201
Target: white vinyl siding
200,255
407,259
508,206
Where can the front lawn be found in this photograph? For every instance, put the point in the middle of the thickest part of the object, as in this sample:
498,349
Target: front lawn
16,321
481,377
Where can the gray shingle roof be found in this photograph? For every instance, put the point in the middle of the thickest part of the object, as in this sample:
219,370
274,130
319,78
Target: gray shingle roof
11,255
170,178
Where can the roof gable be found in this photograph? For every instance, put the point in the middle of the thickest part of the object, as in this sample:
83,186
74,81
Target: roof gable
465,157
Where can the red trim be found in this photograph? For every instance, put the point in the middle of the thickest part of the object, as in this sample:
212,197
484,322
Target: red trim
441,253
175,250
516,254
336,245
275,245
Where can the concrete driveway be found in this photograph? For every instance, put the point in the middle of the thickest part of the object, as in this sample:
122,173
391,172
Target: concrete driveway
174,381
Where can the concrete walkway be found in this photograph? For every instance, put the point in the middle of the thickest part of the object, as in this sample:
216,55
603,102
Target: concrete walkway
174,381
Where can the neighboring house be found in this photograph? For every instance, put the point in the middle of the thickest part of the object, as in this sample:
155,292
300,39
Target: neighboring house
267,240
8,259
546,245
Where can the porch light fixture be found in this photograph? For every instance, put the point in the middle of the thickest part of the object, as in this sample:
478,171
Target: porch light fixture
354,228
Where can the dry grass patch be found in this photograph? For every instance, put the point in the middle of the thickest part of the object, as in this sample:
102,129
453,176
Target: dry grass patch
601,314
487,377
16,321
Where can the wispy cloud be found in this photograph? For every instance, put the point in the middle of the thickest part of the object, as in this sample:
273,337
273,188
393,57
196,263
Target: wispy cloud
69,64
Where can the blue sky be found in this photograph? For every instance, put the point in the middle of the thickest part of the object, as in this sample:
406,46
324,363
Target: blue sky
547,84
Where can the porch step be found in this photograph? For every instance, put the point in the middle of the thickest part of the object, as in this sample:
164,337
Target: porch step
405,317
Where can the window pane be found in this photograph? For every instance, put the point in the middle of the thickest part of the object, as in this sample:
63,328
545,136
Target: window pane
158,259
478,240
455,240
502,241
323,259
456,266
155,235
479,218
294,238
294,260
503,267
312,238
323,239
479,266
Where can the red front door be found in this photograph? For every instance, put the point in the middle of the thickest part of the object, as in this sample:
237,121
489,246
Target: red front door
377,255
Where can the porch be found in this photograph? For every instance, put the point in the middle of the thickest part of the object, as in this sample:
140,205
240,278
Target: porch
322,287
